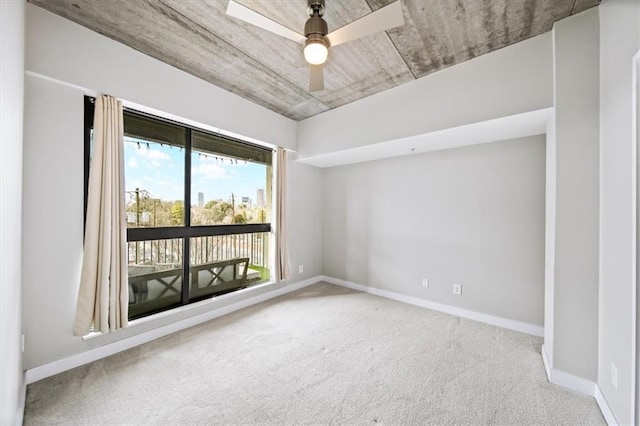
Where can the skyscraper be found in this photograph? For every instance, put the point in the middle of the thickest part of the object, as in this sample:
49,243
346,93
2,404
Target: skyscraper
260,197
200,199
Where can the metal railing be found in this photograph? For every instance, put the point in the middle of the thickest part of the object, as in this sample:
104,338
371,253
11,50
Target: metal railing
222,247
169,252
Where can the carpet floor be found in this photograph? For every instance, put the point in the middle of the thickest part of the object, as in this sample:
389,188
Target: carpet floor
320,355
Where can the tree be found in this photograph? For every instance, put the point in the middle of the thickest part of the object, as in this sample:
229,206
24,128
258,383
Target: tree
223,211
177,213
240,218
262,216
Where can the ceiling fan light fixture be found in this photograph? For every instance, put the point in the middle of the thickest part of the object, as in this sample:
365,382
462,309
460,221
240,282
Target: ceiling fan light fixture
316,50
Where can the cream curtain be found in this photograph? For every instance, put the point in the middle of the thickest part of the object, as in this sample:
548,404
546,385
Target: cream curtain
283,271
103,297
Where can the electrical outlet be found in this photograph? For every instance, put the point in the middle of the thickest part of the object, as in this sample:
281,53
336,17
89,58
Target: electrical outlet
22,342
300,269
614,376
425,282
457,289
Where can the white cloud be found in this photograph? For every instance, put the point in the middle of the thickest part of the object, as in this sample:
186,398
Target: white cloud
152,154
132,163
152,157
210,170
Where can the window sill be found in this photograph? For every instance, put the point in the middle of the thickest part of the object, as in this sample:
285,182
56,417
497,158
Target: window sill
92,335
139,322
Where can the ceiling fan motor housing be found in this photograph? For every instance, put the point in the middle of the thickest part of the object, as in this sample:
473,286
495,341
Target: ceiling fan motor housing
315,7
316,26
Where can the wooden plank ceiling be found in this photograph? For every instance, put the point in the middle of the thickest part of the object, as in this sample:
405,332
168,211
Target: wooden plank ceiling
196,36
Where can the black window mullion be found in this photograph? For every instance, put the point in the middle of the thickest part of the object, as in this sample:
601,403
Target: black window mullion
185,270
168,232
186,257
89,108
187,181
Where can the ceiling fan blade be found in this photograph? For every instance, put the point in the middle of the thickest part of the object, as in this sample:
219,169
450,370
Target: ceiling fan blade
382,19
316,78
245,14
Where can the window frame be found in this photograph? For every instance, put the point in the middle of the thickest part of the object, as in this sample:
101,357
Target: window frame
186,231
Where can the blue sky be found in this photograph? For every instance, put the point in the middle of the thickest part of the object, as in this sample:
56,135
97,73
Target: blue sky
160,171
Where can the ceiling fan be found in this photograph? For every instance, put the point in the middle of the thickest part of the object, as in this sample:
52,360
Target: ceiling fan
317,39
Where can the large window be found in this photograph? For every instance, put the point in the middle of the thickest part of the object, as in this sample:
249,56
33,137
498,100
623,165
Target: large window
198,209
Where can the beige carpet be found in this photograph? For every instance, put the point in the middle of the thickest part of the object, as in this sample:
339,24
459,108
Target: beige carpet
321,355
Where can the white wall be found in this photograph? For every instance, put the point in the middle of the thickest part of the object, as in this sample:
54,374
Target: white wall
473,216
620,32
575,309
62,50
304,222
509,81
549,237
11,116
53,180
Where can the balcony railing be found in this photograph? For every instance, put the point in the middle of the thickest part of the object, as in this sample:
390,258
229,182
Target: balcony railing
202,250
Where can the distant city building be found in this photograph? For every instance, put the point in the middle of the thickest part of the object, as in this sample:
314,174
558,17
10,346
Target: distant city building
260,197
200,199
246,200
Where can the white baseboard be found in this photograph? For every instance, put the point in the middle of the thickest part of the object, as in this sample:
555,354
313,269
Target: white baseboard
579,385
575,383
43,371
604,408
522,327
22,401
546,361
566,380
